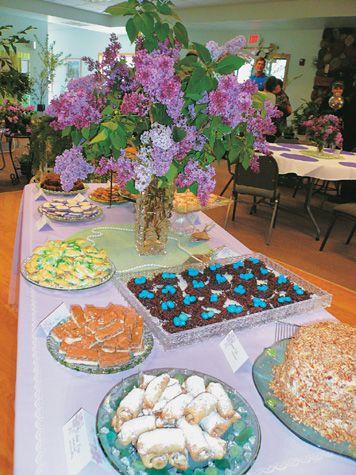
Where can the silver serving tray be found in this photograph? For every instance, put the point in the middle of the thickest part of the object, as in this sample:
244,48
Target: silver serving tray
319,299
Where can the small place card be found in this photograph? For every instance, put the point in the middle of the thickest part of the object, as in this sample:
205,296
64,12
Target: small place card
43,224
79,197
59,313
81,445
40,196
224,253
233,350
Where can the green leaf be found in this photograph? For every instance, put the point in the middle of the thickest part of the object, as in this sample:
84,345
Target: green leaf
194,188
164,8
189,60
203,52
110,125
144,23
162,31
107,110
130,186
148,6
86,132
131,30
100,137
66,131
229,64
172,172
195,82
181,34
178,134
160,115
123,8
118,138
150,44
76,136
219,149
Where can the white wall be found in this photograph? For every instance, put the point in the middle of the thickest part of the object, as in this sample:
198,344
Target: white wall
297,43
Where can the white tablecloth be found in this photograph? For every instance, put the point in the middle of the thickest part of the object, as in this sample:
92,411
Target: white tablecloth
293,158
48,394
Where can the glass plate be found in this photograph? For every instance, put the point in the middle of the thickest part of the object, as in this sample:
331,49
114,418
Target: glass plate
52,287
244,437
83,219
62,193
318,299
262,373
53,347
220,201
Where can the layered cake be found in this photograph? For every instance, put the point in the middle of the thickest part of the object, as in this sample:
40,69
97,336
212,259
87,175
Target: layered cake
317,381
70,210
52,182
72,264
198,297
100,337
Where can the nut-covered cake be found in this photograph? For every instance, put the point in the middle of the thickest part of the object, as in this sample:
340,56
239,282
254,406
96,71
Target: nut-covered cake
52,182
317,382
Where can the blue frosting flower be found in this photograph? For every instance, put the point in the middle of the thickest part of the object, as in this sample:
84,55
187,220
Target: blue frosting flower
254,260
259,303
214,266
282,279
168,275
284,299
180,320
298,289
237,264
247,276
234,308
198,284
214,298
169,305
262,288
240,289
146,294
220,279
188,299
264,271
140,280
193,272
207,315
169,289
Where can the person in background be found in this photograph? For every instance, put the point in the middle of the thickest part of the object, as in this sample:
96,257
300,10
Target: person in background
337,90
269,90
258,75
283,105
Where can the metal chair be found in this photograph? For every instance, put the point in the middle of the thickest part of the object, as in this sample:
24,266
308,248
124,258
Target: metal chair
345,211
263,185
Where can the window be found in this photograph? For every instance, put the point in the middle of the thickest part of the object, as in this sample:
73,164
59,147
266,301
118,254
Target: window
277,66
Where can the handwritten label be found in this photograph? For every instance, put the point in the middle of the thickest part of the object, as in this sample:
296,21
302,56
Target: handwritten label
82,450
43,224
233,350
40,196
59,313
224,253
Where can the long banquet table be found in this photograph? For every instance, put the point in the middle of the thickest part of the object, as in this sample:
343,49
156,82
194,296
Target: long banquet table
48,394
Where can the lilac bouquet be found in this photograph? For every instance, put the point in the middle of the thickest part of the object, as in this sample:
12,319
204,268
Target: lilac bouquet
179,108
324,130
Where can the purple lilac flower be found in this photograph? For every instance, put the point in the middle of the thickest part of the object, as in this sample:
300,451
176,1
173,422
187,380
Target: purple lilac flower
125,169
134,103
72,166
155,72
204,177
79,106
233,46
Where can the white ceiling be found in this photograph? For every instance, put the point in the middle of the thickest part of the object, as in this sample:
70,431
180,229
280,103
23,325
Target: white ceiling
100,5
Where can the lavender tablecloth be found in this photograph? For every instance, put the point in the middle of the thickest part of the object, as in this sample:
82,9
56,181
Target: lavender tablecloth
48,394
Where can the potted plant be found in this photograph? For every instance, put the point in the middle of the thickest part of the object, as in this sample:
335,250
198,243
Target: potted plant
50,62
26,165
324,131
162,123
16,118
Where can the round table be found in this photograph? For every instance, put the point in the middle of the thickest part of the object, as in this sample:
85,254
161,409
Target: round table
305,161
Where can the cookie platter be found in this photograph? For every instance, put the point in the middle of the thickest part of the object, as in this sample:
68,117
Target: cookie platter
219,297
70,210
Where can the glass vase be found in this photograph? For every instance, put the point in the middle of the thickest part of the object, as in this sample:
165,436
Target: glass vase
153,212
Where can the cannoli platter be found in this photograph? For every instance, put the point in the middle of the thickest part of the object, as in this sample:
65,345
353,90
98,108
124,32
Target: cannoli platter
172,421
100,340
188,303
